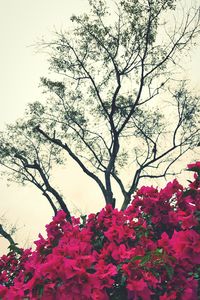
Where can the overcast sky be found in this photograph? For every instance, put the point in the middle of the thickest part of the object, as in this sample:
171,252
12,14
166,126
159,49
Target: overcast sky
22,24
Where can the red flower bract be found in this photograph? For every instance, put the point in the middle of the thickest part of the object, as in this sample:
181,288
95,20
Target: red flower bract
149,251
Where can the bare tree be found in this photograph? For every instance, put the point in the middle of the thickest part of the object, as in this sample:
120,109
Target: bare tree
114,94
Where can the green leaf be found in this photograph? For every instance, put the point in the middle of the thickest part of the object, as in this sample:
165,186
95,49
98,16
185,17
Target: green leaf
138,257
119,267
145,259
40,289
170,271
26,278
159,251
123,280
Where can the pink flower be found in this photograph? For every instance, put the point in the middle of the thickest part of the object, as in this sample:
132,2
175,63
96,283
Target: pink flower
186,244
139,288
3,291
195,165
153,247
105,273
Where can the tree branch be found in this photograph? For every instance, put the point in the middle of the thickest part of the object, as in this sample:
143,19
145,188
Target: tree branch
8,237
74,157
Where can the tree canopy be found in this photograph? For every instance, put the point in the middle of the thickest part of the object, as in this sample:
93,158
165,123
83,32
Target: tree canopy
115,99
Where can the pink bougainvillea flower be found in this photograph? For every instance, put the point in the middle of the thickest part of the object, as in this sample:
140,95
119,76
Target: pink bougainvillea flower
194,165
151,248
186,245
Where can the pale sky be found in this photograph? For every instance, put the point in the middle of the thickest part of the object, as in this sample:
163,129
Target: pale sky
22,24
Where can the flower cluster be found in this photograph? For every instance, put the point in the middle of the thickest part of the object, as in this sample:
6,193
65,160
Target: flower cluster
151,250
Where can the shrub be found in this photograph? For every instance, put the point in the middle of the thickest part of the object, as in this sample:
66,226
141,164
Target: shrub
151,250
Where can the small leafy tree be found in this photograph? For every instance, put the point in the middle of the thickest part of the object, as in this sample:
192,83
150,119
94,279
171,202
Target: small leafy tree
111,98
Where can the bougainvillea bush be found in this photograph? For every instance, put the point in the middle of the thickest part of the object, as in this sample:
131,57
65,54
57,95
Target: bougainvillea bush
151,250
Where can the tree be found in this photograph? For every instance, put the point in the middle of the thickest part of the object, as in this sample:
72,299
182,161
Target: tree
29,158
7,233
114,76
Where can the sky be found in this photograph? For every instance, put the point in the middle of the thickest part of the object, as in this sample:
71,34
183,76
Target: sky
22,24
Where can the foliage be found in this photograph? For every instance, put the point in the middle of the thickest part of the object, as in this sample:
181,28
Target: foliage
151,250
